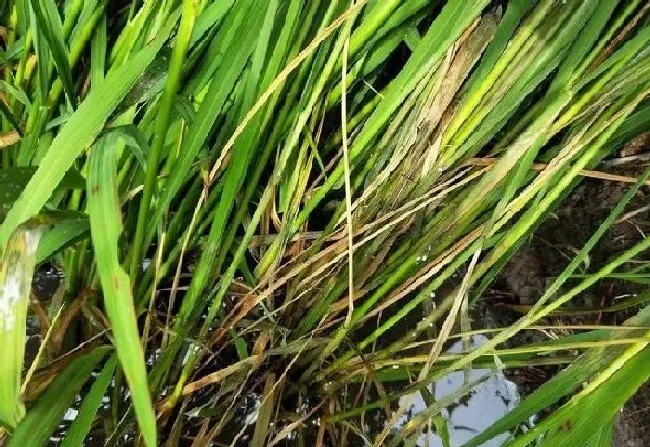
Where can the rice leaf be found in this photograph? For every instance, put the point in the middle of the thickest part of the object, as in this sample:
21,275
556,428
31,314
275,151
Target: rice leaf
227,75
105,229
11,118
603,436
16,92
42,56
134,140
573,376
163,117
98,46
61,236
77,134
49,23
211,15
82,424
16,270
455,16
468,122
574,423
13,182
44,417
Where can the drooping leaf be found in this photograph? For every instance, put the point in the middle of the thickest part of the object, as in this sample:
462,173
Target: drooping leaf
105,228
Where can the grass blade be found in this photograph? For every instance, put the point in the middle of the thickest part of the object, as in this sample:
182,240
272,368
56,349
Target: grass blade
61,236
16,270
84,420
49,23
105,229
77,134
163,118
44,417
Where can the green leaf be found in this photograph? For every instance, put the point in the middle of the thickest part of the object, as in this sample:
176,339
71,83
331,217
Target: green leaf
454,18
134,140
161,126
60,237
42,57
78,133
574,423
17,93
49,23
226,76
16,271
83,422
105,228
98,46
211,16
22,10
185,109
14,50
567,380
46,414
603,437
6,111
14,180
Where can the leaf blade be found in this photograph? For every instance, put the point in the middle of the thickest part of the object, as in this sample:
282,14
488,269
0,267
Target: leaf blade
44,417
81,426
77,134
16,271
105,230
49,23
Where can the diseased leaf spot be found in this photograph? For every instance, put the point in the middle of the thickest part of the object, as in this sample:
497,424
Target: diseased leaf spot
565,426
116,282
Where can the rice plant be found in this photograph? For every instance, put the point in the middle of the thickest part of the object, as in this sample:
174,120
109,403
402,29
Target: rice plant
273,216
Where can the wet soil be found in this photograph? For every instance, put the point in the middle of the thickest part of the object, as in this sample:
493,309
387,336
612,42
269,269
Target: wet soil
540,259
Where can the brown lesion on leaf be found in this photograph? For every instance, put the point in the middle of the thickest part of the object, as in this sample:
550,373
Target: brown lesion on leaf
94,190
116,282
566,426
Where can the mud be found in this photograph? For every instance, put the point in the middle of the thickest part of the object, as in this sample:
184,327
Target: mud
554,243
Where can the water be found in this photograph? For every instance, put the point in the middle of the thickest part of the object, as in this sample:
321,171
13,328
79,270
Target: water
488,402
